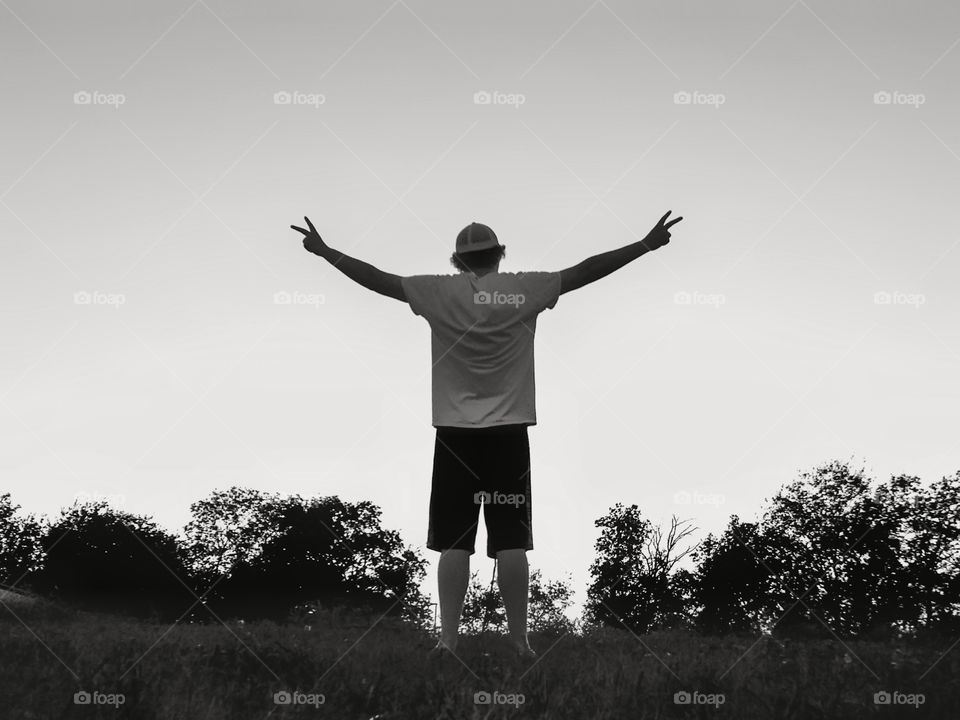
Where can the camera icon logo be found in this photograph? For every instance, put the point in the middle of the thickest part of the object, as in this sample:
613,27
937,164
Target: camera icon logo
682,698
681,98
481,698
81,698
481,97
282,697
482,298
82,97
882,97
282,98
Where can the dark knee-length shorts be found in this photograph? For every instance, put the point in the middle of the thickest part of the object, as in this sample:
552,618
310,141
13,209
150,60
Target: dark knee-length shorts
474,467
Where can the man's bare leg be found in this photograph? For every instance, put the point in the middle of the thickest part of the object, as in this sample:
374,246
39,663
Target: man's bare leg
513,577
453,574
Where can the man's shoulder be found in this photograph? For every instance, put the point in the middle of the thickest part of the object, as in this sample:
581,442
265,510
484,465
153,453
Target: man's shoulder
428,279
528,274
531,278
536,273
424,289
432,276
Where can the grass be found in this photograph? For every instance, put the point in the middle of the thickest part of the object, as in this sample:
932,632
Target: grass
219,673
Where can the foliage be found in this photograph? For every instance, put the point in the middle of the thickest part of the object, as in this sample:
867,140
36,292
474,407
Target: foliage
635,583
834,557
322,550
103,559
232,672
20,542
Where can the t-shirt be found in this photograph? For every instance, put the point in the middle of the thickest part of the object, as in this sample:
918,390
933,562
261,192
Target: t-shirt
482,332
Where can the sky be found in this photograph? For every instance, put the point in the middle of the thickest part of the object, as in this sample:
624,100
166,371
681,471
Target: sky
165,334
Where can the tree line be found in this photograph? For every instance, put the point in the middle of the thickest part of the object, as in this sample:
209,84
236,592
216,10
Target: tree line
833,554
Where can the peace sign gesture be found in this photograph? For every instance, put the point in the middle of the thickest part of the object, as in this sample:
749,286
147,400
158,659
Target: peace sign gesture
660,235
312,242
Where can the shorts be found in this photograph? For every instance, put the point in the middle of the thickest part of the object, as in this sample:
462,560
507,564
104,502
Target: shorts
481,466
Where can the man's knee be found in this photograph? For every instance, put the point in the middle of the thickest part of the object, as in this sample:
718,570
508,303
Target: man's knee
453,551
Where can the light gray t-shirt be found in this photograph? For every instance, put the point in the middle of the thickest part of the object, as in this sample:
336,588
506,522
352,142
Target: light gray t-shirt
482,332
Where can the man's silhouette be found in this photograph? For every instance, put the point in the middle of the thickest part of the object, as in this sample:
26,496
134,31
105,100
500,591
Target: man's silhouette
482,326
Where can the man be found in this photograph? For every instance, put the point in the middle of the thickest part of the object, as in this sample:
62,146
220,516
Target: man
482,326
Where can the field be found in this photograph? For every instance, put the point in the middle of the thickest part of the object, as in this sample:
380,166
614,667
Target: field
127,669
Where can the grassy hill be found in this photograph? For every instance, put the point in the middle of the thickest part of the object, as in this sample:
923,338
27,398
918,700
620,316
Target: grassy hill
131,669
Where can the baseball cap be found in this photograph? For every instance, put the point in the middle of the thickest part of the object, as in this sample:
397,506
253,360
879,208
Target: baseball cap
476,236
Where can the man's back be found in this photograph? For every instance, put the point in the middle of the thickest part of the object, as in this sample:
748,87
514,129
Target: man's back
482,343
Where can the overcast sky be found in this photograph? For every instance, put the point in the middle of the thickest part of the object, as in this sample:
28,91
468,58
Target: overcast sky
805,309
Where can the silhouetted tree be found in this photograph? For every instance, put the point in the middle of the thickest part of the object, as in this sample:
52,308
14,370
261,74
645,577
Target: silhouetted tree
549,601
732,579
832,556
931,554
634,582
20,542
98,558
844,574
483,606
323,550
228,527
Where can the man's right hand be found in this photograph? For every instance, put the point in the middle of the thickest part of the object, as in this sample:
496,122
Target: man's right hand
312,242
660,235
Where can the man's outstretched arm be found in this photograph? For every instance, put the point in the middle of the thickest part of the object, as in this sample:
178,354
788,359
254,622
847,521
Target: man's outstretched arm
360,272
598,266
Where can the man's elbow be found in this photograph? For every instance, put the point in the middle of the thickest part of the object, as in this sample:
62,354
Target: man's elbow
576,277
392,286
